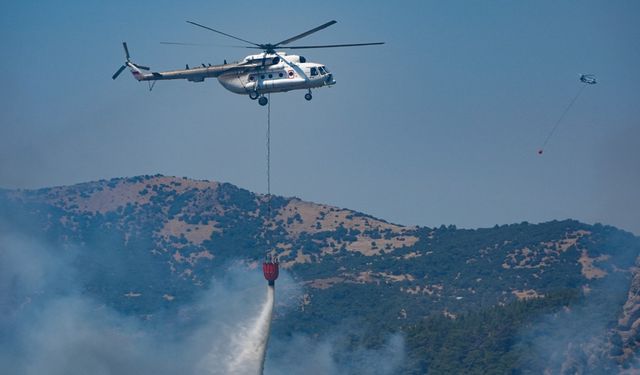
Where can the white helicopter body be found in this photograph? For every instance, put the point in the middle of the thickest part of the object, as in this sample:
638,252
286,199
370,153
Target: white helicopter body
256,75
280,77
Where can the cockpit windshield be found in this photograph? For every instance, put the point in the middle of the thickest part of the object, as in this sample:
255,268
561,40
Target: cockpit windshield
322,71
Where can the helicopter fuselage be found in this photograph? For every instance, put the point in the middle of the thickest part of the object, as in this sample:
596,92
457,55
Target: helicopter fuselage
276,76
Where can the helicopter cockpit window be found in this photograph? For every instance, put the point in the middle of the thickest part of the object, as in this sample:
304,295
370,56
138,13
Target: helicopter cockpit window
321,69
326,70
314,71
302,59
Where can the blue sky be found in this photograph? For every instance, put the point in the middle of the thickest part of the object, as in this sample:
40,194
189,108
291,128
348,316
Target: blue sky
440,125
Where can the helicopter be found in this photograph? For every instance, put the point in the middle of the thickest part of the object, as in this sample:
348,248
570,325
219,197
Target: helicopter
256,75
589,79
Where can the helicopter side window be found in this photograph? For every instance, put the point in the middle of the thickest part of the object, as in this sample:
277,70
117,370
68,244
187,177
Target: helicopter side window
314,71
302,59
321,69
281,74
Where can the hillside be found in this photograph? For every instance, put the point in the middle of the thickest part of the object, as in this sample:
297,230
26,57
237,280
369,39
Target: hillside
464,300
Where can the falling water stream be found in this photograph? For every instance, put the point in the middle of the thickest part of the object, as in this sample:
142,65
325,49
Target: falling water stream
253,342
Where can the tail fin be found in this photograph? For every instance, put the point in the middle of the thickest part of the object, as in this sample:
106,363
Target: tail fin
135,71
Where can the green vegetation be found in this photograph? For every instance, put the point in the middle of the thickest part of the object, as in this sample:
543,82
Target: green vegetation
479,342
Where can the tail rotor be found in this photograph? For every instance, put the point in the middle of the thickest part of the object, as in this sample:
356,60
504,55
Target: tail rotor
128,63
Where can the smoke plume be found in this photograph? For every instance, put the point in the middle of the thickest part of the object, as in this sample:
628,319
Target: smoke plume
49,325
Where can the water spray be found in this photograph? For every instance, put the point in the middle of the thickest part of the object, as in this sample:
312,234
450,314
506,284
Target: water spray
270,269
252,341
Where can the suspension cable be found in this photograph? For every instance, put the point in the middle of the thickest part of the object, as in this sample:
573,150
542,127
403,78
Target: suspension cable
268,164
269,148
564,113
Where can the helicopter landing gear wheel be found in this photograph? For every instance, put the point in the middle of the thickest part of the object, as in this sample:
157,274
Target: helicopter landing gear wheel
253,95
263,101
308,96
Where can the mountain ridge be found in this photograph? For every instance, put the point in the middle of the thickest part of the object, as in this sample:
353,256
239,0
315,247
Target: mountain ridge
184,232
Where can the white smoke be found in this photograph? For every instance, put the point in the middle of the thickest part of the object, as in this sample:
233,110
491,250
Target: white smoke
48,325
307,355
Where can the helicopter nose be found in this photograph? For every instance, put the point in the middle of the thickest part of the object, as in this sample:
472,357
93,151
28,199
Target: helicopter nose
329,80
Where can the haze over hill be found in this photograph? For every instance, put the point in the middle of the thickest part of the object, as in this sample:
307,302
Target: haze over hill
557,296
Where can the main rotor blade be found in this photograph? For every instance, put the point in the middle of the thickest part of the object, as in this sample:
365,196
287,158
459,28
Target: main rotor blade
334,45
123,67
204,44
225,34
184,44
306,33
293,66
126,50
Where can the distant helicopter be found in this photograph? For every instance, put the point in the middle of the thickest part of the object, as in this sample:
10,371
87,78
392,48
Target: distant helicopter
256,75
589,79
